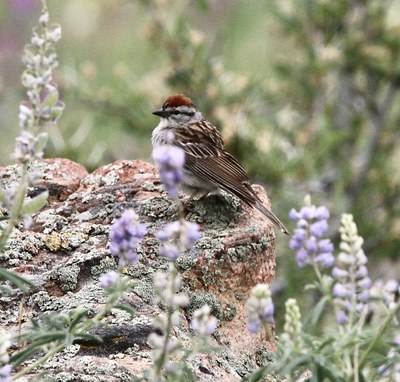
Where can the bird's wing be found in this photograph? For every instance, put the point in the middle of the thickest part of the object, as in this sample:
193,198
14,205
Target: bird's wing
205,155
200,139
224,172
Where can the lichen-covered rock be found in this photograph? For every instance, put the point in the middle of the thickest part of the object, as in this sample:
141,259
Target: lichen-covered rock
65,251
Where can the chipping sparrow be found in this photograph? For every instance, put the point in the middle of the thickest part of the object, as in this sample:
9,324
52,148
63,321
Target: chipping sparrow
208,166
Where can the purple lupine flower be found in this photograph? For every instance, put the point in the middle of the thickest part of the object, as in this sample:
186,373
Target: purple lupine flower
43,105
340,290
5,370
109,279
307,239
260,308
202,322
190,234
322,213
326,259
126,235
325,246
184,233
169,251
319,228
5,373
390,368
253,326
170,231
170,160
301,258
341,317
352,288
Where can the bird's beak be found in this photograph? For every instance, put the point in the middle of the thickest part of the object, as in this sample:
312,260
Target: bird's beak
161,113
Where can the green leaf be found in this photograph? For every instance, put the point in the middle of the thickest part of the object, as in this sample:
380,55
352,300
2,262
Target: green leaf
77,317
35,204
14,278
51,98
19,357
126,308
315,315
90,338
325,370
44,339
294,364
56,111
41,142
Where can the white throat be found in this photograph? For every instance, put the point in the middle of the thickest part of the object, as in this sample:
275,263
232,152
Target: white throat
159,137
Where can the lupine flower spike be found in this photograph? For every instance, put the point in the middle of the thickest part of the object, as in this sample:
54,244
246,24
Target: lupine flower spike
260,308
126,235
308,238
352,287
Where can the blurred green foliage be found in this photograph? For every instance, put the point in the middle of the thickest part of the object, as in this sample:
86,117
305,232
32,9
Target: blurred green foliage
304,91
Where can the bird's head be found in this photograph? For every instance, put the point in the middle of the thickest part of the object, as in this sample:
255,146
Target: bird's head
178,110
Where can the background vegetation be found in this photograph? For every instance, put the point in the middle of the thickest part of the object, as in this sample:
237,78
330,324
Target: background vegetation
305,92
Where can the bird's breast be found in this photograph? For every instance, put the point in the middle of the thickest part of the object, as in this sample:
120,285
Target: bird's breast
161,134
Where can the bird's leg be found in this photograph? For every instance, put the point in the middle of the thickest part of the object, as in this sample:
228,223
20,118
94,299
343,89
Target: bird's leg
203,196
187,202
192,196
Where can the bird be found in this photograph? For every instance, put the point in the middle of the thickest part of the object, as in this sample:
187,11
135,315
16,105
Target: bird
208,167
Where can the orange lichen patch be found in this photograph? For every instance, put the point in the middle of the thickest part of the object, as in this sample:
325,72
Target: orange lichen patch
178,100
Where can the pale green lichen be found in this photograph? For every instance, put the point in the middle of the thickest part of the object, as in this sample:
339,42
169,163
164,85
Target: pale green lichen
199,299
229,312
157,207
185,262
150,186
106,264
66,277
217,211
263,356
145,290
21,247
239,296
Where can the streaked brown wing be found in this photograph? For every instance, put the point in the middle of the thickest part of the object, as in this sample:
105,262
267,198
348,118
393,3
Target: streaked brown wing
200,139
205,156
224,172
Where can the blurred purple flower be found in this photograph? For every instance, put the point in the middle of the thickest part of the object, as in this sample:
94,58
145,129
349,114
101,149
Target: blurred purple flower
5,373
301,258
322,213
169,251
260,308
341,317
319,228
126,235
307,239
183,232
340,290
338,273
109,279
202,321
170,160
190,234
253,326
326,259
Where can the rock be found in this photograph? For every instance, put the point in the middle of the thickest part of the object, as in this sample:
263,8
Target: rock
65,251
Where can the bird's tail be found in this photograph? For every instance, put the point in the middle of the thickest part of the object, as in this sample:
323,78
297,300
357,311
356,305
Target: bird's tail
271,216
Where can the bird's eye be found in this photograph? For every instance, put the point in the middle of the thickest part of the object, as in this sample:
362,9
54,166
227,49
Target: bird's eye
175,112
